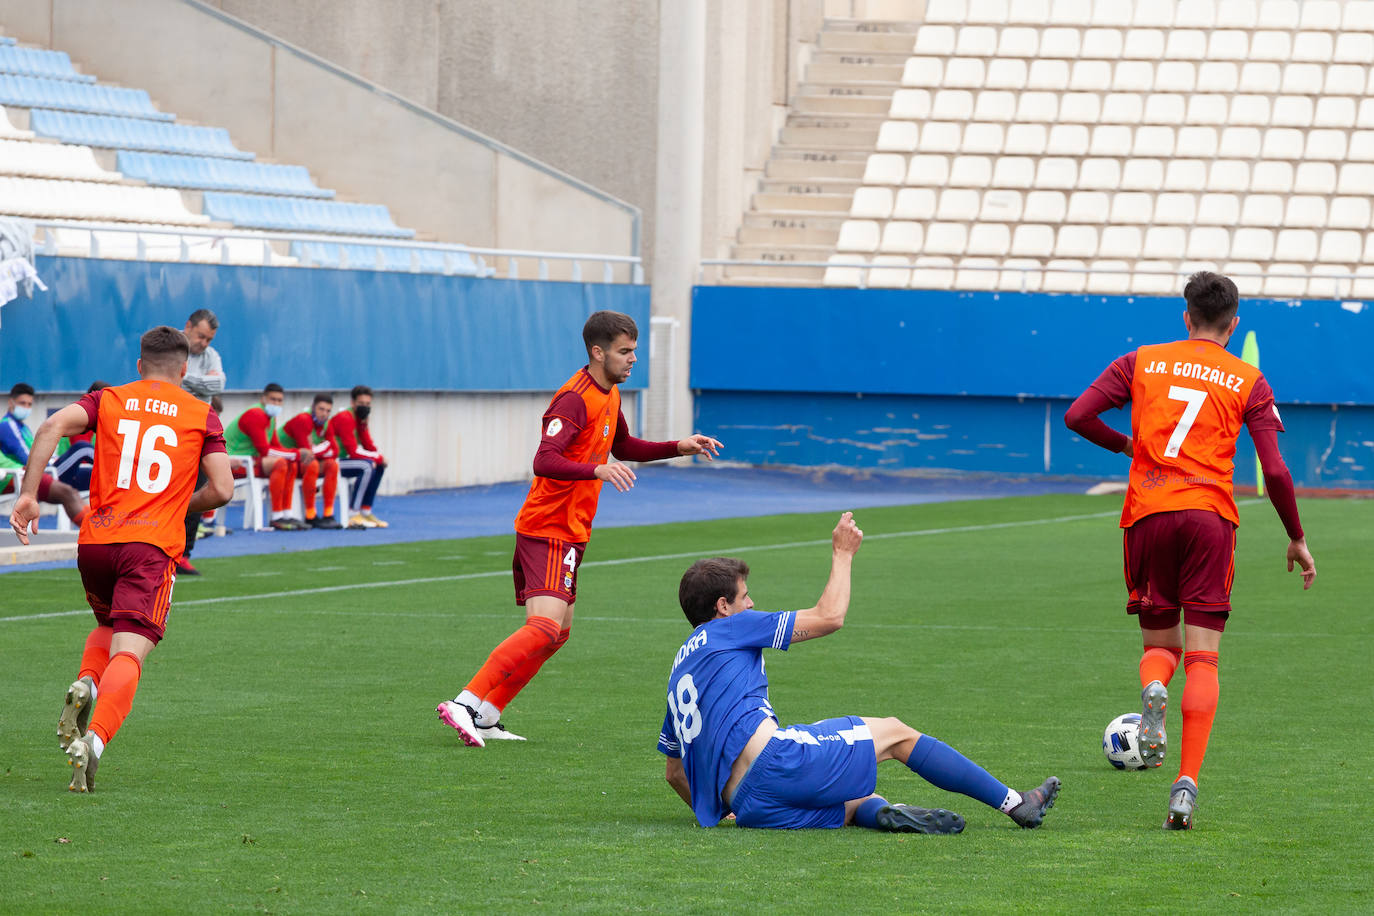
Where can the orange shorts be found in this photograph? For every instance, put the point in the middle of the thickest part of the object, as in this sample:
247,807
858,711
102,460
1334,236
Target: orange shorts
546,566
128,586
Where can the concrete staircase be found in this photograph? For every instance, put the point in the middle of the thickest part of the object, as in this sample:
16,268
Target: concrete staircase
820,155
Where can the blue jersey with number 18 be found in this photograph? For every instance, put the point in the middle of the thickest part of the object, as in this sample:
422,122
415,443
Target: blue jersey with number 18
717,696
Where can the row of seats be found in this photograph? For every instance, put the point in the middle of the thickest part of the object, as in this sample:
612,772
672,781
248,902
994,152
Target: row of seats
134,134
6,40
1123,208
159,246
1105,140
1330,15
1143,44
1034,240
56,199
386,257
215,174
1133,75
294,214
9,130
1176,109
36,62
52,160
37,92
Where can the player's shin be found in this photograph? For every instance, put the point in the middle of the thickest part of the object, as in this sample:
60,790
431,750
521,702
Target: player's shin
96,655
538,633
501,695
943,766
309,476
1199,705
1158,663
117,690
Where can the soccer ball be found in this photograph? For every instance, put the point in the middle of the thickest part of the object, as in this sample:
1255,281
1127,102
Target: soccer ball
1121,742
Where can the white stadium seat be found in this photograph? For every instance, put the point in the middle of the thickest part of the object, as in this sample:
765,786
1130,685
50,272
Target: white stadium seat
952,105
1272,177
1048,74
1285,281
1329,281
1237,14
976,41
1278,14
1111,140
915,204
1080,108
1037,108
928,171
1262,210
1164,242
1320,14
1252,244
902,238
1249,109
1013,171
1247,276
935,40
1208,243
1185,175
923,72
1132,207
932,273
1134,76
1154,15
1123,108
1361,146
1005,73
1282,143
989,239
885,168
1108,13
889,271
1090,76
1207,108
1059,43
1326,144
1175,76
957,204
1018,42
1305,210
1218,210
1165,108
1218,76
1314,178
946,238
1175,207
1334,111
1032,241
1026,140
1365,117
1065,276
1355,178
937,136
1155,278
1239,143
1344,79
1071,12
976,172
992,12
1228,175
1001,207
1260,78
857,235
1088,207
1067,140
897,136
1142,175
976,274
1266,45
1109,277
1056,172
1318,47
946,11
964,73
1143,44
1076,242
1121,242
1045,206
1354,48
1195,14
1358,16
1349,213
1227,45
871,203
841,273
1102,43
1340,246
1302,79
994,105
1100,174
910,104
1186,44
982,138
1152,141
1020,274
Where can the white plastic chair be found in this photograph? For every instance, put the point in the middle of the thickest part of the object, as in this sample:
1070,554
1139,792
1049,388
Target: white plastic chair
1207,108
1239,143
1058,42
1032,241
991,239
1143,44
991,12
1324,143
937,136
923,72
1100,174
928,171
976,172
1185,175
982,138
1142,175
1013,171
1001,207
1020,274
1195,14
1035,12
970,276
976,41
1132,207
1318,47
1285,281
956,205
1071,12
1025,140
914,204
964,73
995,105
1076,242
897,136
946,11
1247,275
951,105
1006,73
871,203
1067,140
1037,108
933,273
1218,209
889,272
909,104
1080,108
844,270
1056,173
935,40
1314,178
1298,244
1133,76
1048,74
1065,275
1350,213
1271,45
1018,41
857,235
902,238
1174,207
1229,175
1166,108
1228,45
946,238
1355,178
1334,111
1110,140
1340,246
1090,76
1120,242
1153,141
1261,210
1104,43
1088,207
1155,278
1110,278
1186,44
1272,177
1252,244
1208,243
1260,78
885,168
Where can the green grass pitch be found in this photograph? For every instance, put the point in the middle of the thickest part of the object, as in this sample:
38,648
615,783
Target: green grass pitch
283,754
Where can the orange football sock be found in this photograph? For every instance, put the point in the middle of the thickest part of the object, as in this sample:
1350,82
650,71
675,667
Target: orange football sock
1159,664
279,483
308,478
331,484
96,655
117,691
504,692
1199,706
505,660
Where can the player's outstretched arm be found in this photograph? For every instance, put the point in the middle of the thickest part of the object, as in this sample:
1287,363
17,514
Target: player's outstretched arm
219,484
697,444
829,613
1278,483
71,420
677,778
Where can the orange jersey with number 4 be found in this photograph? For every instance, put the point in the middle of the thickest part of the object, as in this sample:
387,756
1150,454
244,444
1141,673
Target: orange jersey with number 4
1189,399
149,437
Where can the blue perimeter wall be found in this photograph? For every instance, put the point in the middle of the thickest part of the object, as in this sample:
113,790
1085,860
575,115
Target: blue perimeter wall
309,329
897,379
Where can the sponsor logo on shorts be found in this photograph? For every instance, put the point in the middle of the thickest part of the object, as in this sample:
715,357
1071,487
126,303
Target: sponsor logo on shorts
567,581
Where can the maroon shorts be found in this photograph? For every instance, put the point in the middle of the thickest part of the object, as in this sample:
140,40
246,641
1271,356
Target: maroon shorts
546,566
1180,561
128,586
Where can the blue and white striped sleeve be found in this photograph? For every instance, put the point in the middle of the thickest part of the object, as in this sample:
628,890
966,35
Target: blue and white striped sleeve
667,737
762,629
12,441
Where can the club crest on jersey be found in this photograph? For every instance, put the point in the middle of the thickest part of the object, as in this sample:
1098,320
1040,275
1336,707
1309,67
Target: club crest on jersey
567,581
605,430
554,428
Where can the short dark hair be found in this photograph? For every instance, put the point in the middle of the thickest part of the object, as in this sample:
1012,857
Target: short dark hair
163,349
204,315
358,391
704,582
21,388
97,385
322,398
271,387
1212,299
605,326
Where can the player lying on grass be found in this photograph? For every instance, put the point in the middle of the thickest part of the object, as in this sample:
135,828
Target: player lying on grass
726,752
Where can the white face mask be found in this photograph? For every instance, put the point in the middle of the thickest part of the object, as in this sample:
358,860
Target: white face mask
21,413
272,410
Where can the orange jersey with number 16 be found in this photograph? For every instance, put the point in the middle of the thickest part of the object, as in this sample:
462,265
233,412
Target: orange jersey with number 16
1188,402
149,437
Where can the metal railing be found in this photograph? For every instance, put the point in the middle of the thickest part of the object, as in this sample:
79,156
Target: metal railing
1342,281
149,245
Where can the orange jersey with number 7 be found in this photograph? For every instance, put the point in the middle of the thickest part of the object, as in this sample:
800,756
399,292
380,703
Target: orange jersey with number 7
149,438
1188,401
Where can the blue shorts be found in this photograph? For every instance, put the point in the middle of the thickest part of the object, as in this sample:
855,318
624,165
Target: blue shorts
805,774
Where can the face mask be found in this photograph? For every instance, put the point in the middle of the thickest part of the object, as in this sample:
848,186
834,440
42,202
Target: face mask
361,411
319,424
21,413
272,410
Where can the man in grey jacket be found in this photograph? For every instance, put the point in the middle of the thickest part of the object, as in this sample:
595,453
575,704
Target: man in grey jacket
204,378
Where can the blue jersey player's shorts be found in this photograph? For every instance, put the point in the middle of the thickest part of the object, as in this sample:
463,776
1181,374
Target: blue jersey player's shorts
805,774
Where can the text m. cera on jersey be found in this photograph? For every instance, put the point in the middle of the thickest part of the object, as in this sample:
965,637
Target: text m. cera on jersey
151,405
1197,371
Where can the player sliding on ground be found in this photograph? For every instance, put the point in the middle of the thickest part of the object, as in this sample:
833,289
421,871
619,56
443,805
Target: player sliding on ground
151,440
726,752
1188,401
583,428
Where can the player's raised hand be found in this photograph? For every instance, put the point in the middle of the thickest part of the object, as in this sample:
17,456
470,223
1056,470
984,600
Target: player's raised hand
697,444
847,536
617,475
1298,552
22,516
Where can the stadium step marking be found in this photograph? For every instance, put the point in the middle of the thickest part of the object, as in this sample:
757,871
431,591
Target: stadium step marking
622,561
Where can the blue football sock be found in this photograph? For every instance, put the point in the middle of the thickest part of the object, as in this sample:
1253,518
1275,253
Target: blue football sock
943,766
866,815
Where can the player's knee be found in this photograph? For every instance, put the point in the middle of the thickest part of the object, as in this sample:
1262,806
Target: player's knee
899,730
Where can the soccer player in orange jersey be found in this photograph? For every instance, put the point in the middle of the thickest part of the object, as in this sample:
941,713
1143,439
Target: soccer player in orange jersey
583,428
1188,401
151,440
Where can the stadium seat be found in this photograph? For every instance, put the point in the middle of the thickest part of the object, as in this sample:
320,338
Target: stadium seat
1185,175
9,130
51,160
1142,175
1361,146
1001,207
1006,73
1249,110
68,95
1059,43
1164,242
1025,140
844,270
1328,281
1100,175
1363,285
1058,173
215,174
1108,14
885,168
936,136
1123,108
1143,44
1271,45
946,11
1226,45
1065,275
1218,76
1358,16
1018,42
1071,12
902,238
302,215
1133,76
1285,281
1239,143
1076,242
1299,244
976,274
1067,140
1208,243
976,41
1237,14
1272,177
1247,275
897,136
1302,79
1261,210
1195,14
857,235
1013,171
1344,79
933,273
1155,278
1318,47
1167,108
1120,242
1252,244
871,203
976,172
392,258
1052,75
1035,12
1090,76
991,12
1260,79
1334,111
1186,44
1080,108
982,138
1282,143
1365,117
1153,141
995,105
1087,207
1108,277
928,171
1324,143
910,104
134,133
964,73
1110,140
992,239
914,204
1022,274
923,72
1197,141
1355,178
1314,178
946,238
1037,108
1218,210
1354,48
1340,246
1175,208
1175,76
1032,241
1131,207
889,272
1229,175
39,63
83,200
1207,108
1349,213
957,204
951,105
935,40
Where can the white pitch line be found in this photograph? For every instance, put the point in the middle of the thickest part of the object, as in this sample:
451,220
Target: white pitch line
624,561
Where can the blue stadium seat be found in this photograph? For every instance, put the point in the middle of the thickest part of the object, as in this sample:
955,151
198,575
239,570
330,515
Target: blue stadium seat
66,95
294,214
35,62
6,40
134,133
212,174
364,257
